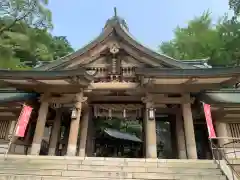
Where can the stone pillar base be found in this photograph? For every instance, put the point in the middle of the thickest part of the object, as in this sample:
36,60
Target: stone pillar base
71,150
151,151
182,154
35,150
82,152
51,151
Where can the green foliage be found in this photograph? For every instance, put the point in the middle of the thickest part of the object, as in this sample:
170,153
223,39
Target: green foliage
24,36
201,39
32,12
60,47
235,6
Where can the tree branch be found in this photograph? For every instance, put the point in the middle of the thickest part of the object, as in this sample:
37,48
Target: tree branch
16,20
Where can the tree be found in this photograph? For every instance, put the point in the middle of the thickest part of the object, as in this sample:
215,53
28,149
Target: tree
32,12
235,6
201,39
23,46
10,42
20,22
60,47
229,33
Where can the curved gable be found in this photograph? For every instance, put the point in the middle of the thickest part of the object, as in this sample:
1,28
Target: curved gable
115,32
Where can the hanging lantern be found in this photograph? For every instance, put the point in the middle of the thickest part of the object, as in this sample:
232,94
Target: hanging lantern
124,113
95,111
110,113
151,114
74,113
137,113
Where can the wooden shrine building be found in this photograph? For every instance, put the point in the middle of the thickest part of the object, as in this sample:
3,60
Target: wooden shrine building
116,76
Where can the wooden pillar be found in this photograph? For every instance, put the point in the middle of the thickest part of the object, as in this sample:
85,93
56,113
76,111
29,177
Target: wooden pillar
189,128
222,131
150,129
143,133
41,121
84,132
180,137
65,140
55,133
74,127
27,139
90,146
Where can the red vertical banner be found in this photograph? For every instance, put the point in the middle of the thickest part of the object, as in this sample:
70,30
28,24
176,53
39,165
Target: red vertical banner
23,121
208,116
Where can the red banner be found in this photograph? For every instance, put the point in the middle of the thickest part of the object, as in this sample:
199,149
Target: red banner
208,116
23,121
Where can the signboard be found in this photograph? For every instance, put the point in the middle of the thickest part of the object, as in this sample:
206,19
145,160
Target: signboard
23,121
208,116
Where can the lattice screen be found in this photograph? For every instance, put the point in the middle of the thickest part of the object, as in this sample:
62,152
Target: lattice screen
3,128
235,129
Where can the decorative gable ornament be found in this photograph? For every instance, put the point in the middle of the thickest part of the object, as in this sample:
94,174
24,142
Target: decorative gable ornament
114,48
92,72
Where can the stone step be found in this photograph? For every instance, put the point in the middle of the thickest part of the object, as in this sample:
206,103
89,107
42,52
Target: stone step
107,175
63,164
115,169
53,168
112,162
24,177
77,158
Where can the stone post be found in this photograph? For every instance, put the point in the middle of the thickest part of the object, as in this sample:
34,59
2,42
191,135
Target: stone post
150,130
84,132
41,121
55,133
189,128
74,127
181,144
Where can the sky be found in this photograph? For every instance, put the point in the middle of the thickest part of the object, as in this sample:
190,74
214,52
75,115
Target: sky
150,21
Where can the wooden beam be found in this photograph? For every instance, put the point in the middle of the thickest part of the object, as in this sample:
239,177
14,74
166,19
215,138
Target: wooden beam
161,99
167,110
35,81
8,118
179,88
231,81
190,81
114,98
62,99
114,85
228,120
232,111
7,114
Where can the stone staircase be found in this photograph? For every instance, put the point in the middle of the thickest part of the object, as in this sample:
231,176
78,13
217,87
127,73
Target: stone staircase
64,168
